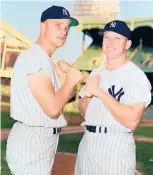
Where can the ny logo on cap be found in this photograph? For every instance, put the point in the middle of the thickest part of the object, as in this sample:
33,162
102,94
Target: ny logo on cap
65,12
112,24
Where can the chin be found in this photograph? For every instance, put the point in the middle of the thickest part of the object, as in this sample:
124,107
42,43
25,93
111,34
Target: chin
60,44
111,56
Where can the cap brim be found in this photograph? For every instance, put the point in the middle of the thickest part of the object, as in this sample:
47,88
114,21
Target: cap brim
112,30
101,32
73,22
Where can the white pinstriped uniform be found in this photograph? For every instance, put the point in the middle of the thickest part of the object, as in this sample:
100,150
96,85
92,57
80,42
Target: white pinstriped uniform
31,145
112,153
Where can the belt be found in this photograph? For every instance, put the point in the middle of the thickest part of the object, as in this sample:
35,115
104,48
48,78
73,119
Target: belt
55,130
102,129
96,129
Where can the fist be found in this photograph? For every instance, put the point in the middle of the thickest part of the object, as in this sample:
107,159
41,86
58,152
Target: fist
92,86
61,73
74,76
64,66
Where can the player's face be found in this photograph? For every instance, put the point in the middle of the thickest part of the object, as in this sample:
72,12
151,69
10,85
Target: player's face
115,45
56,31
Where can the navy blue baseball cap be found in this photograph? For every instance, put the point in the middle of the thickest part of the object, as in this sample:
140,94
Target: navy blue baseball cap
57,12
119,27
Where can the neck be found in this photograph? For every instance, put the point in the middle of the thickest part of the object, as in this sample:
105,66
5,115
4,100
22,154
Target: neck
46,46
116,62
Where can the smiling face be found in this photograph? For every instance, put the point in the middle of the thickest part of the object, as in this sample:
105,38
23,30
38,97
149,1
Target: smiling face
56,31
115,45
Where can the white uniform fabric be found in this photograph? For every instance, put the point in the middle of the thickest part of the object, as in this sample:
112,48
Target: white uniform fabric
24,107
112,152
31,150
31,144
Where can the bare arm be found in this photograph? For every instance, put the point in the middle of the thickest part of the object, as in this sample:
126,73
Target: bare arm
83,104
50,101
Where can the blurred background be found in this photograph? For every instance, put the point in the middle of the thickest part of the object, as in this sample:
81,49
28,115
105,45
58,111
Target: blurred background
19,29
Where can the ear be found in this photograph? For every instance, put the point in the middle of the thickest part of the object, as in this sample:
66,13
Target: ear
42,27
128,44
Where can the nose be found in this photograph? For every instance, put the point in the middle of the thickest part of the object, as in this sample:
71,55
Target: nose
64,31
109,41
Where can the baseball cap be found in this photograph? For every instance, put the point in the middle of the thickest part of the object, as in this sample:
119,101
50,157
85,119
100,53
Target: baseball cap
119,27
57,12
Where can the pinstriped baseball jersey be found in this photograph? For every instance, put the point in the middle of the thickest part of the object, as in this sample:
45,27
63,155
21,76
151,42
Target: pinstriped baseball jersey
127,84
112,152
24,106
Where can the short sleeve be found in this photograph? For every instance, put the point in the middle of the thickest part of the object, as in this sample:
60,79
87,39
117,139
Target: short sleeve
139,91
82,93
32,65
35,64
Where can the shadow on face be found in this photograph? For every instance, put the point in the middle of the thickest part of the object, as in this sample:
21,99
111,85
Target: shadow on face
55,31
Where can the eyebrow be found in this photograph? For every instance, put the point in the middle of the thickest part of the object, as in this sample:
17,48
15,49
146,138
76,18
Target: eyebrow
57,22
118,35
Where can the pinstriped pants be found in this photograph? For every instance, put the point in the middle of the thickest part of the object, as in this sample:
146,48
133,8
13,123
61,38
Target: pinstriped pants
31,150
106,154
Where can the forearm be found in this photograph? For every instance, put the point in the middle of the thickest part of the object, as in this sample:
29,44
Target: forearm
83,104
62,96
123,113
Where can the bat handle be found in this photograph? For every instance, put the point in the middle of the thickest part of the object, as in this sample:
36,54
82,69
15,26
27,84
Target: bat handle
87,94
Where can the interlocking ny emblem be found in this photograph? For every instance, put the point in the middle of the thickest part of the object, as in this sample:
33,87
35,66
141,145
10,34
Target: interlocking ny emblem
116,95
65,12
112,24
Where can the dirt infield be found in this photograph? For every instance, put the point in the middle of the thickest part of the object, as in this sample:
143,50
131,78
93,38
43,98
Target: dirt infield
64,164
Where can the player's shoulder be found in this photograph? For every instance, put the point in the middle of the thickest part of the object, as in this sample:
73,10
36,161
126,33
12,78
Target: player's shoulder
27,53
31,54
136,71
137,75
26,58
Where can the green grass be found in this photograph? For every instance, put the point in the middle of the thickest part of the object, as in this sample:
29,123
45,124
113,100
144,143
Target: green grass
144,131
70,142
144,153
6,120
4,167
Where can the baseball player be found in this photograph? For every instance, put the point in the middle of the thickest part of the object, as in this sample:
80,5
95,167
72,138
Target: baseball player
120,94
37,87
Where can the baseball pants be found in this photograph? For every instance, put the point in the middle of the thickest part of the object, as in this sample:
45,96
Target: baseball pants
31,150
106,154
